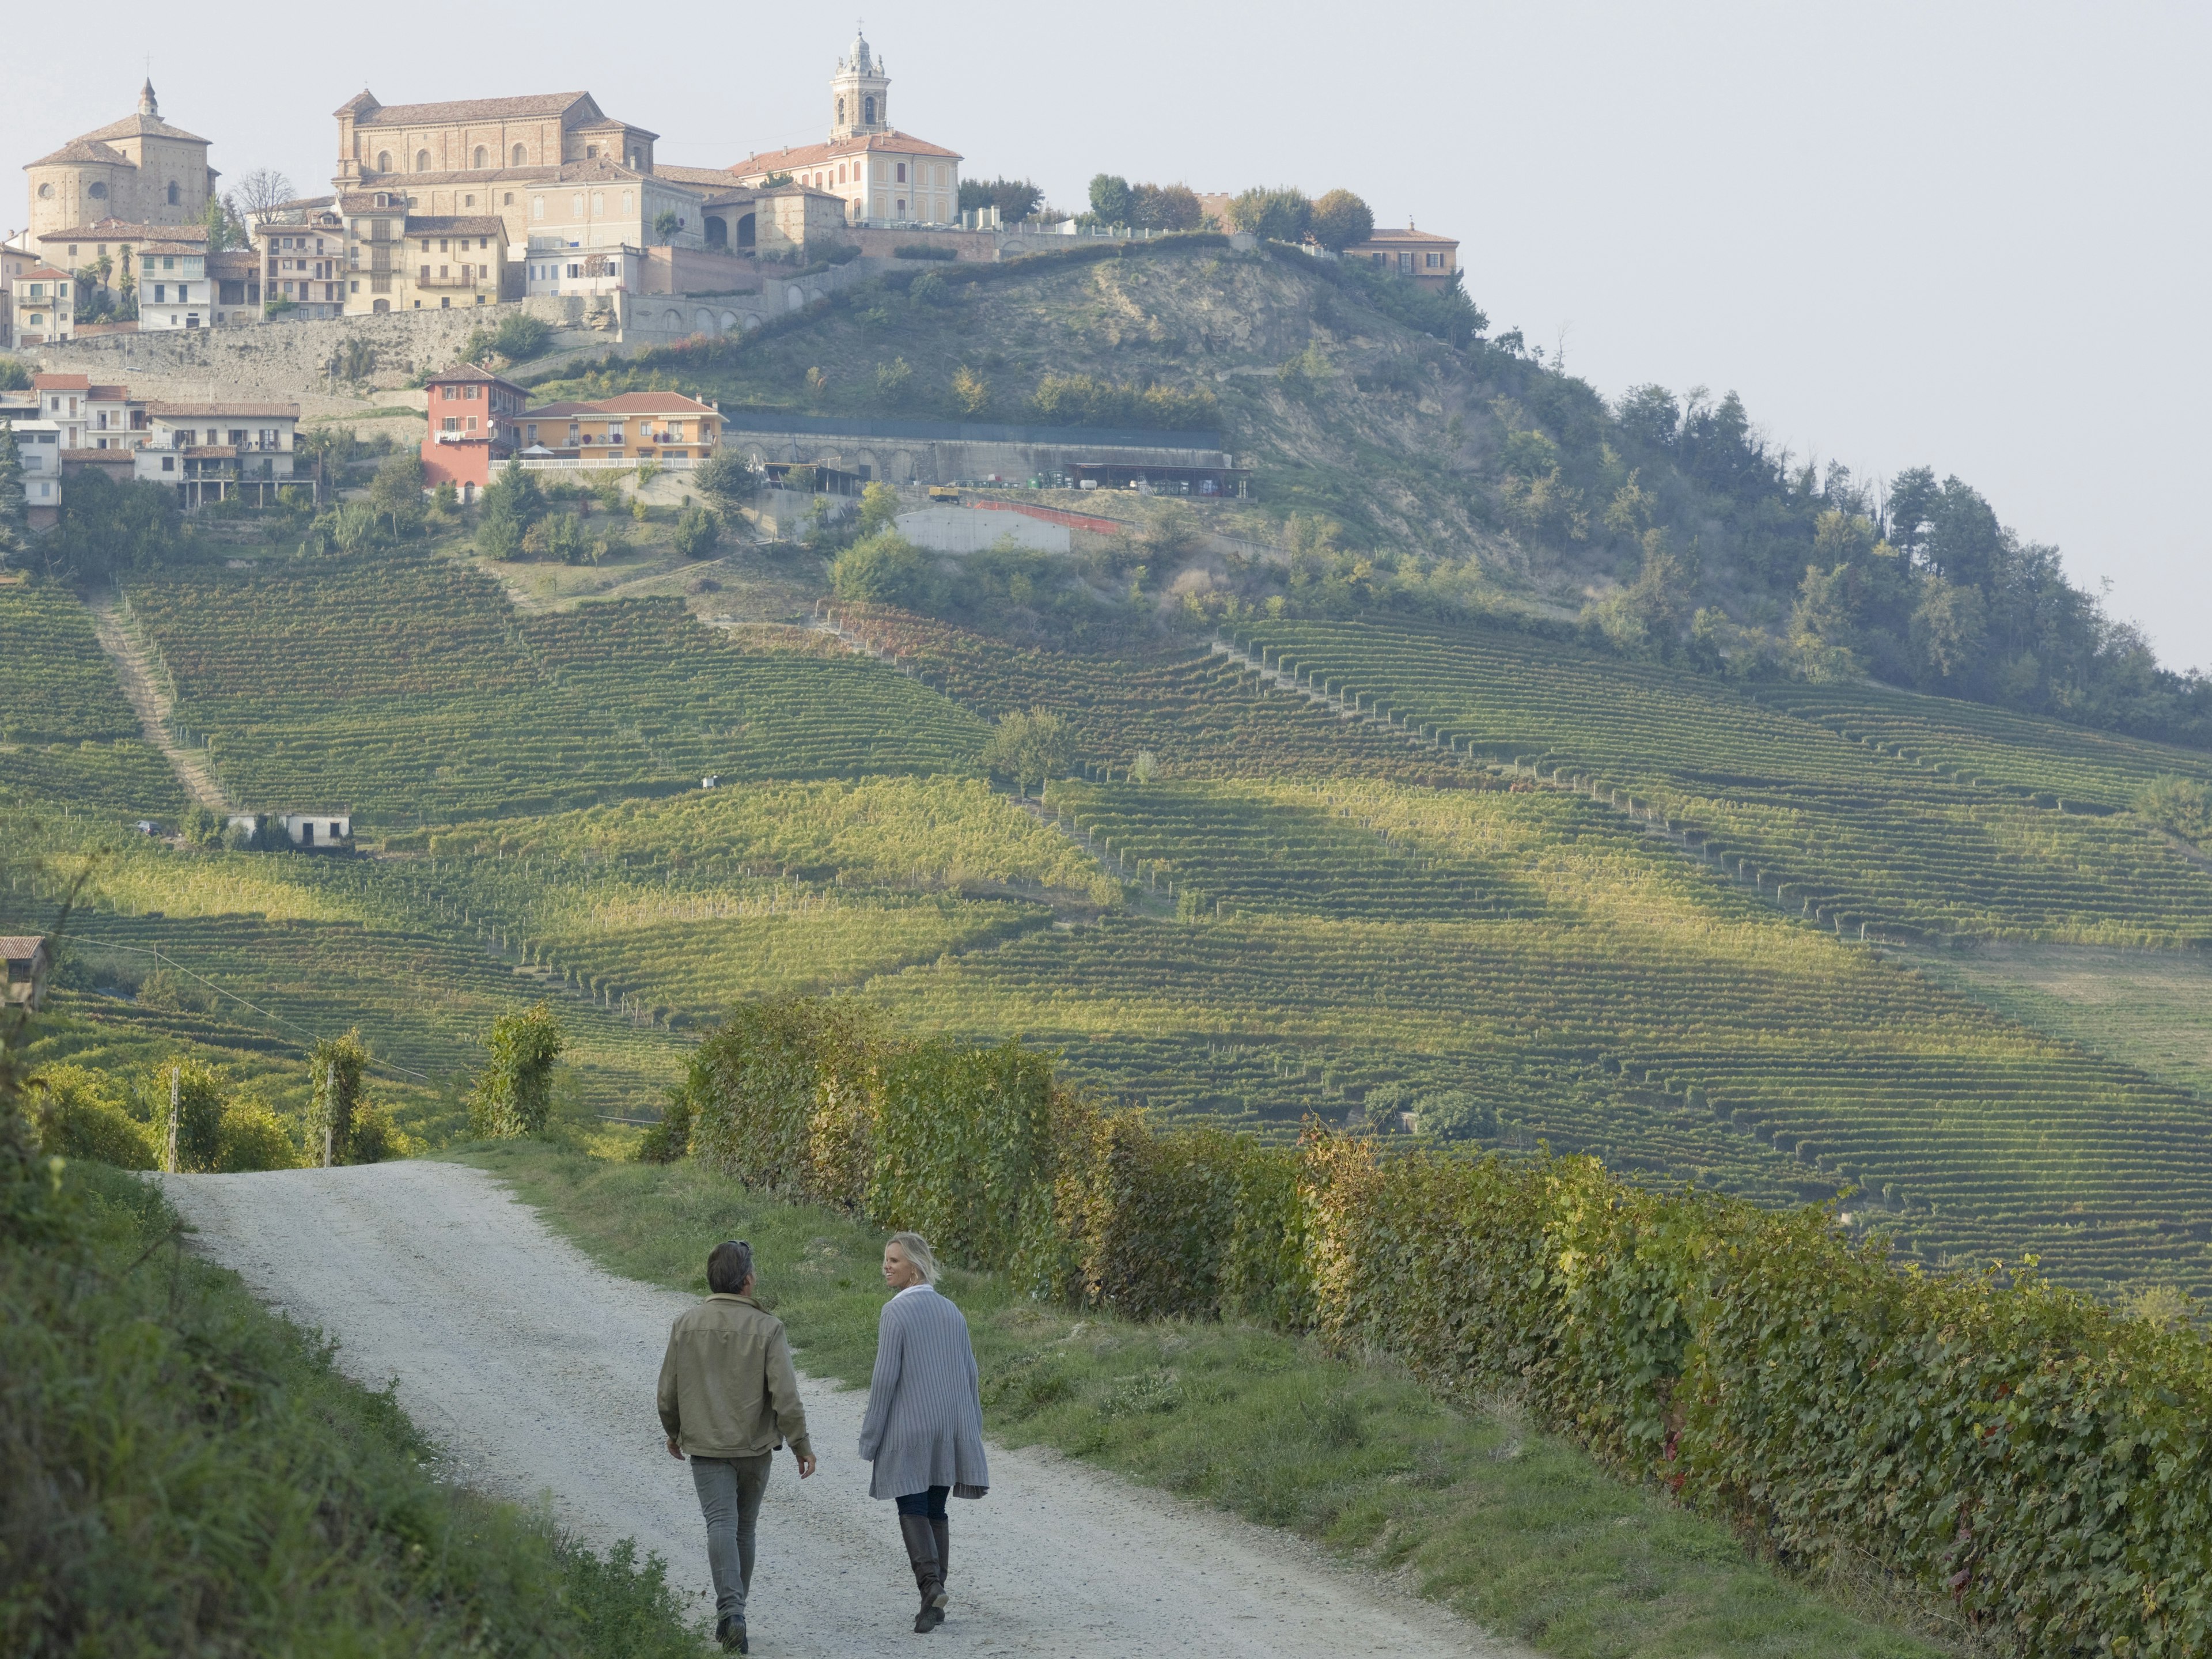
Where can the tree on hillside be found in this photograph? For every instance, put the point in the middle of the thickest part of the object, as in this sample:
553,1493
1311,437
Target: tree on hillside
698,531
108,528
1015,198
259,190
14,377
886,568
879,507
1110,200
224,229
1030,749
14,512
396,492
514,1094
1165,207
512,503
1280,214
729,476
1340,220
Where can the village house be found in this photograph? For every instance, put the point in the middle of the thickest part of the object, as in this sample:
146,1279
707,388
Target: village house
211,451
45,306
635,426
600,217
1426,258
39,452
299,266
473,425
398,260
140,169
27,963
175,288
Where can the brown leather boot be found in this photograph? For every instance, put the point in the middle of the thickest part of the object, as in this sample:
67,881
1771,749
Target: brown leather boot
920,1538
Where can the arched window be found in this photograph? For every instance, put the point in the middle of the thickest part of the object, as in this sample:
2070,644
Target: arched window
482,156
520,155
840,112
175,195
869,119
384,161
422,161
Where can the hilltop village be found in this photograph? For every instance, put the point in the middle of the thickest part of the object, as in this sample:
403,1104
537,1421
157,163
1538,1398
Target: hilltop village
139,256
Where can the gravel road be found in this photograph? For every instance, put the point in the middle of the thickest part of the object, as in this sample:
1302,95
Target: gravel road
536,1368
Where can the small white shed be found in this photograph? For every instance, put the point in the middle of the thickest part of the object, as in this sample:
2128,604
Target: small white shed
317,829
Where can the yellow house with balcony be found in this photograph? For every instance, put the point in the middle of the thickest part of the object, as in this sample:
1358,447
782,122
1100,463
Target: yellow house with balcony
636,426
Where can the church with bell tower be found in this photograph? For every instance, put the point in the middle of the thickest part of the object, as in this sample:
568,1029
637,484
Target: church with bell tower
884,176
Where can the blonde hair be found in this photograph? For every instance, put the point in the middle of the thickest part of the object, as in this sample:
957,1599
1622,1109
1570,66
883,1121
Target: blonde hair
916,1250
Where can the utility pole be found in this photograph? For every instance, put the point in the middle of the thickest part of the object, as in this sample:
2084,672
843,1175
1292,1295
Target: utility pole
175,1091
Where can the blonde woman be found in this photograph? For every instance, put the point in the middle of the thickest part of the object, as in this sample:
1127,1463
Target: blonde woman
924,1427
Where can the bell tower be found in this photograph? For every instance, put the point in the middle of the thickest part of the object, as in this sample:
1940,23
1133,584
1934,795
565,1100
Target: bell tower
860,94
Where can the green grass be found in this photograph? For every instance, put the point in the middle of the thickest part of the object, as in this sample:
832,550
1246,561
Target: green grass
188,1473
1513,1528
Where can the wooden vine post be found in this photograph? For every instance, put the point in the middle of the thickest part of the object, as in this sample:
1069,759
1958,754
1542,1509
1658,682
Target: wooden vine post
330,1110
176,1093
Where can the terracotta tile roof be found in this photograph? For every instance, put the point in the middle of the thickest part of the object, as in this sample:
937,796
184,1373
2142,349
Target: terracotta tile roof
813,155
367,113
221,411
84,149
61,382
300,203
142,126
111,394
102,457
20,947
398,184
238,262
627,403
37,273
446,224
1395,238
125,230
470,374
598,167
713,178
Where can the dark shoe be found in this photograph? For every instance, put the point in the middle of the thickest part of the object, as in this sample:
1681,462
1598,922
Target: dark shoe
920,1538
731,1633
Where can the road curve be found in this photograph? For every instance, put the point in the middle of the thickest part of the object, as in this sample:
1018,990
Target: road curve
535,1369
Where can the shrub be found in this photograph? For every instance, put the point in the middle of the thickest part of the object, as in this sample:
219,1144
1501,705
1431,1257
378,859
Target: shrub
669,1139
698,531
202,826
254,1138
375,1137
2041,1460
514,1094
728,475
191,1096
80,1113
513,502
335,1068
521,337
886,568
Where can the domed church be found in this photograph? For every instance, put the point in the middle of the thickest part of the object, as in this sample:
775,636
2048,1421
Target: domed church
140,170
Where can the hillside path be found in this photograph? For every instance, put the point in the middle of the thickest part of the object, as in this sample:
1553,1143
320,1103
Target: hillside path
145,695
535,1369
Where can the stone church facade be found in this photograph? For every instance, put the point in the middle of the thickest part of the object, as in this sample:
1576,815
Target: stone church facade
140,170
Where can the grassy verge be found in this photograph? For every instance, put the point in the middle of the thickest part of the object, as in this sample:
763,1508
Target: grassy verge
183,1472
1514,1529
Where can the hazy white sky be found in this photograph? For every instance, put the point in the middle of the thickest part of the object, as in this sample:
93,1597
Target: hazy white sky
1965,235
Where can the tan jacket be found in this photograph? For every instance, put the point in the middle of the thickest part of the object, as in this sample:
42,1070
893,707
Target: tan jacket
727,1388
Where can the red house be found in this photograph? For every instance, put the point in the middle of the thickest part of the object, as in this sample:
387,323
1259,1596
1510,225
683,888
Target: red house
473,427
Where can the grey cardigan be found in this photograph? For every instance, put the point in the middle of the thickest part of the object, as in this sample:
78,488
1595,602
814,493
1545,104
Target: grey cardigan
924,1426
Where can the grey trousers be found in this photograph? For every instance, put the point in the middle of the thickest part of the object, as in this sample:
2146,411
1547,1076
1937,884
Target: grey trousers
730,1493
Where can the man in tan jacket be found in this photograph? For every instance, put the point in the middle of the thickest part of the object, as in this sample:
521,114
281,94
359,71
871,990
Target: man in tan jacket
729,1398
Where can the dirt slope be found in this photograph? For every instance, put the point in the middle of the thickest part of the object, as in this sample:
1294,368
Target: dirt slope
537,1368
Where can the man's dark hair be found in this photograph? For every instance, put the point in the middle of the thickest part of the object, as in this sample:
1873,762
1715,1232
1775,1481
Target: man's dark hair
728,1266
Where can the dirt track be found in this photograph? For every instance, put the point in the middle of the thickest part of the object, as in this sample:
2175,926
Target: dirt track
537,1369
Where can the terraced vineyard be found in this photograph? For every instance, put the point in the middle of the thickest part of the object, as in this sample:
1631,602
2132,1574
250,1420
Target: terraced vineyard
1196,714
66,732
407,687
2048,761
1841,832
